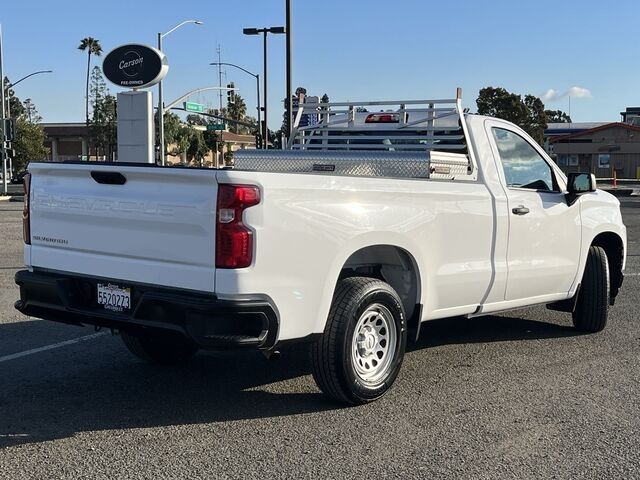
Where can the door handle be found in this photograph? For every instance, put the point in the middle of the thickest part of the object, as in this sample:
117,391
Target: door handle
108,178
520,210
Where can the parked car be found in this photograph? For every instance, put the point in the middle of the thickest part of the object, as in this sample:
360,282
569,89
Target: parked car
18,178
349,246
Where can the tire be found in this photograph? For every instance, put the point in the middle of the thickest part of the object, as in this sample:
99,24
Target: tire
360,352
160,348
592,306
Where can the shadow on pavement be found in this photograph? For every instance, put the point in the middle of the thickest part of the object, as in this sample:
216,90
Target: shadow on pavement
457,330
98,385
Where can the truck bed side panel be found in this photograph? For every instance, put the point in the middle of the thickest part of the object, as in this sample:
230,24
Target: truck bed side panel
308,225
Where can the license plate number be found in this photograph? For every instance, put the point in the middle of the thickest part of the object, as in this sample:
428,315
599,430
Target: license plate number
113,297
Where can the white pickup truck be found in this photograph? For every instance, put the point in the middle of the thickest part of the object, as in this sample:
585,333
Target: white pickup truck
362,229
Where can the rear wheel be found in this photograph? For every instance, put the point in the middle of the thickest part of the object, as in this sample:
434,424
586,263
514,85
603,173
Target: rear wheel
360,353
592,306
165,348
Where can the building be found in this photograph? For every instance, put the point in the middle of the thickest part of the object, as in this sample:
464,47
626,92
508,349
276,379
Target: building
66,141
631,115
600,150
560,129
70,141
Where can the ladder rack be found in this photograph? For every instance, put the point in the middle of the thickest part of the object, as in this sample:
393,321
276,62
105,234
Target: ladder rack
408,125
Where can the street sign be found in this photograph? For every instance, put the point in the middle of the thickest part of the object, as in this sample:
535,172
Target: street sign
135,66
214,127
194,107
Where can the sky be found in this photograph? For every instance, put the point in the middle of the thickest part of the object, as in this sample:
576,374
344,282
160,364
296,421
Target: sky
354,50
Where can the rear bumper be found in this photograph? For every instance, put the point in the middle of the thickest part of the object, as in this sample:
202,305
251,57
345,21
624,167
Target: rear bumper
207,320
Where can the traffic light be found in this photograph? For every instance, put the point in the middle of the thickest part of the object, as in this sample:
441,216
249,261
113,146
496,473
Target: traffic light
8,129
258,141
230,93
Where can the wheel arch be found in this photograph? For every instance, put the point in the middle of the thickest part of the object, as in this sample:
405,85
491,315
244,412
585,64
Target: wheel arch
392,264
613,245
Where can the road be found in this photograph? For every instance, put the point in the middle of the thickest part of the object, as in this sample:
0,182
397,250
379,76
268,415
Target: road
520,395
12,189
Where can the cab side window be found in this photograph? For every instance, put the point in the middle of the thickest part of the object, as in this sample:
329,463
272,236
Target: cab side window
522,164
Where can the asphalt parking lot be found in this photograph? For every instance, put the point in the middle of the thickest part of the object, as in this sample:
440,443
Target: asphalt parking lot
521,395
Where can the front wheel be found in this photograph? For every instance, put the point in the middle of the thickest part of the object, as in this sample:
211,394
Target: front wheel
164,348
360,353
592,306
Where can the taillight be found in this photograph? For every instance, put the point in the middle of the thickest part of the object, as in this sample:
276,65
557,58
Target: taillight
382,118
234,240
26,221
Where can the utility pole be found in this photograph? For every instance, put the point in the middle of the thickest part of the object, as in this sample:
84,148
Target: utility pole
220,77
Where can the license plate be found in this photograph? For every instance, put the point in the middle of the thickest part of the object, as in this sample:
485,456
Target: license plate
113,297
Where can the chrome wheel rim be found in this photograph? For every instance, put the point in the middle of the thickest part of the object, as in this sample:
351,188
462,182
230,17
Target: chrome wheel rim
374,344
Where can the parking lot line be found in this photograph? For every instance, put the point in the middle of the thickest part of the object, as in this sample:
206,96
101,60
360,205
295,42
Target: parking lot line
13,356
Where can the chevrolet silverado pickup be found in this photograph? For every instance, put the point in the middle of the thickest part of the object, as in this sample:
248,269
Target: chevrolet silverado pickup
371,222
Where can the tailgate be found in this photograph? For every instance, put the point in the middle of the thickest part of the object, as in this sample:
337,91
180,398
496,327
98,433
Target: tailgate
158,227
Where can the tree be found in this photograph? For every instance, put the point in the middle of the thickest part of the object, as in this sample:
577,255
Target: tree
91,46
181,143
197,149
194,119
15,105
236,110
536,119
324,99
29,112
98,87
172,125
528,114
102,125
103,128
29,143
557,116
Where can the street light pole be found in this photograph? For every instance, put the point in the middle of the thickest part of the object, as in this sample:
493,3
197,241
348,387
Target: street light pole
254,75
289,102
160,113
160,99
264,31
9,87
265,128
2,143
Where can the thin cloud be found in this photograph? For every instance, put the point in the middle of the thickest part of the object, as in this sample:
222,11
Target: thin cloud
551,95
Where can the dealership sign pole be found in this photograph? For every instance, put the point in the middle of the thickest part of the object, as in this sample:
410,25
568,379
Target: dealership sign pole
135,66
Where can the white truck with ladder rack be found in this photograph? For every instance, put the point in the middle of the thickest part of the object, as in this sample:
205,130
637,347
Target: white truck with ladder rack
368,224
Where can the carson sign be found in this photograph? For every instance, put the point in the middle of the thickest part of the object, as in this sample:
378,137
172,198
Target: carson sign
135,66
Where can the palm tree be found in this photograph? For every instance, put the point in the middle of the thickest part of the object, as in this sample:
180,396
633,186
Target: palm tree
236,110
91,46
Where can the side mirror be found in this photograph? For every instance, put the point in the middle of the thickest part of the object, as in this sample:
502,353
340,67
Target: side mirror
579,184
